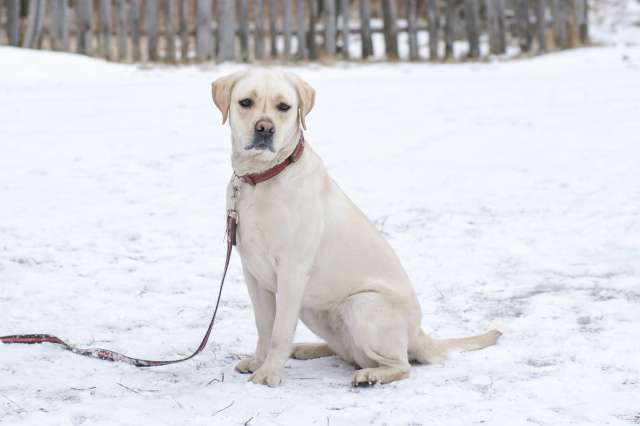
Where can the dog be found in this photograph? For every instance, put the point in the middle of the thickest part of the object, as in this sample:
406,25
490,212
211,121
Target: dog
308,252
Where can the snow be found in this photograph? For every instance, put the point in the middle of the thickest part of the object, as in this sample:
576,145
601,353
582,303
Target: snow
615,22
510,190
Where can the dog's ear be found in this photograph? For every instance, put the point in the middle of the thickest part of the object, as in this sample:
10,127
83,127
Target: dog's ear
306,97
221,92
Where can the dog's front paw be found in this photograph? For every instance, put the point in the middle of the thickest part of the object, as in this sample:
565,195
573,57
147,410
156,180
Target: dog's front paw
248,365
266,376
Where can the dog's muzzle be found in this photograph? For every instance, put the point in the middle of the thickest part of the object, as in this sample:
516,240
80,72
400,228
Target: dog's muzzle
263,136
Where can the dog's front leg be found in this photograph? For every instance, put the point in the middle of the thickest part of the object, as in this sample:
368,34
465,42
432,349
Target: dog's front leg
264,310
291,284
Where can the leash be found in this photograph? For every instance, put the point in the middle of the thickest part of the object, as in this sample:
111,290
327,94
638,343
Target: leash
232,227
109,355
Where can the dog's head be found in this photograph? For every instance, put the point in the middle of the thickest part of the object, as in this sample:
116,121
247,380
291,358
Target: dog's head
265,108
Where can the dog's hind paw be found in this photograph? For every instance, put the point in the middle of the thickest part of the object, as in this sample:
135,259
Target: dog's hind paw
311,350
379,375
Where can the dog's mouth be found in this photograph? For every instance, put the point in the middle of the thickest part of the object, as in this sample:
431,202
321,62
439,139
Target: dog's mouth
261,142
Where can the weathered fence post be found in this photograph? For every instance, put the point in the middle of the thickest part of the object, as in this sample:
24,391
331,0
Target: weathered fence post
541,24
582,20
258,12
59,20
495,24
492,25
330,27
287,28
346,27
171,10
572,24
136,47
84,12
365,29
523,26
152,30
389,17
411,29
243,23
502,32
311,36
227,30
123,35
302,48
204,44
105,28
54,12
34,25
473,27
432,22
560,23
273,30
13,22
449,28
585,34
184,30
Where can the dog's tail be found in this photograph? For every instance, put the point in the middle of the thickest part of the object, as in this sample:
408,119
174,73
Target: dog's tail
428,350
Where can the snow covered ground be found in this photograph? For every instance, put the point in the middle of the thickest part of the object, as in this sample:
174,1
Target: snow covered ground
615,21
511,192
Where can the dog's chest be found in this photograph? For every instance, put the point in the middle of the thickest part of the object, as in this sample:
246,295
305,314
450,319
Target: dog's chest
256,234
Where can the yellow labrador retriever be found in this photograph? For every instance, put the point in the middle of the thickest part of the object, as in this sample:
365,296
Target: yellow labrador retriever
308,252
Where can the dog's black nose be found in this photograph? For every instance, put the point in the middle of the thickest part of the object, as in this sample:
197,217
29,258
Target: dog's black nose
265,127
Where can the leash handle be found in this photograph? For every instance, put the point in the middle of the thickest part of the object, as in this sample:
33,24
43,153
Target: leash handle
109,355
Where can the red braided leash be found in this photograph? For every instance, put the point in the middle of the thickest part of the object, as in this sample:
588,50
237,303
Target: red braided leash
108,355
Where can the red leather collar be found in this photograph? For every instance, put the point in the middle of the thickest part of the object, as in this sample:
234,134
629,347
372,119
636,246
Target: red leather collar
255,178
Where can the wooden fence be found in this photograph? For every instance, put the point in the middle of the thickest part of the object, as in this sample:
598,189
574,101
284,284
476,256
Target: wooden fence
183,31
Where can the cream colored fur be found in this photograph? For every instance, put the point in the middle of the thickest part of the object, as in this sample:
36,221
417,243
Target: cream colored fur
309,253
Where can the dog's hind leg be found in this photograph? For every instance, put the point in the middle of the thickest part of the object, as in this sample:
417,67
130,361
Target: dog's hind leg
378,340
311,350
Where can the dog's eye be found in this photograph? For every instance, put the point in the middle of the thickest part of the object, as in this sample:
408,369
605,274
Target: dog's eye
283,107
246,103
